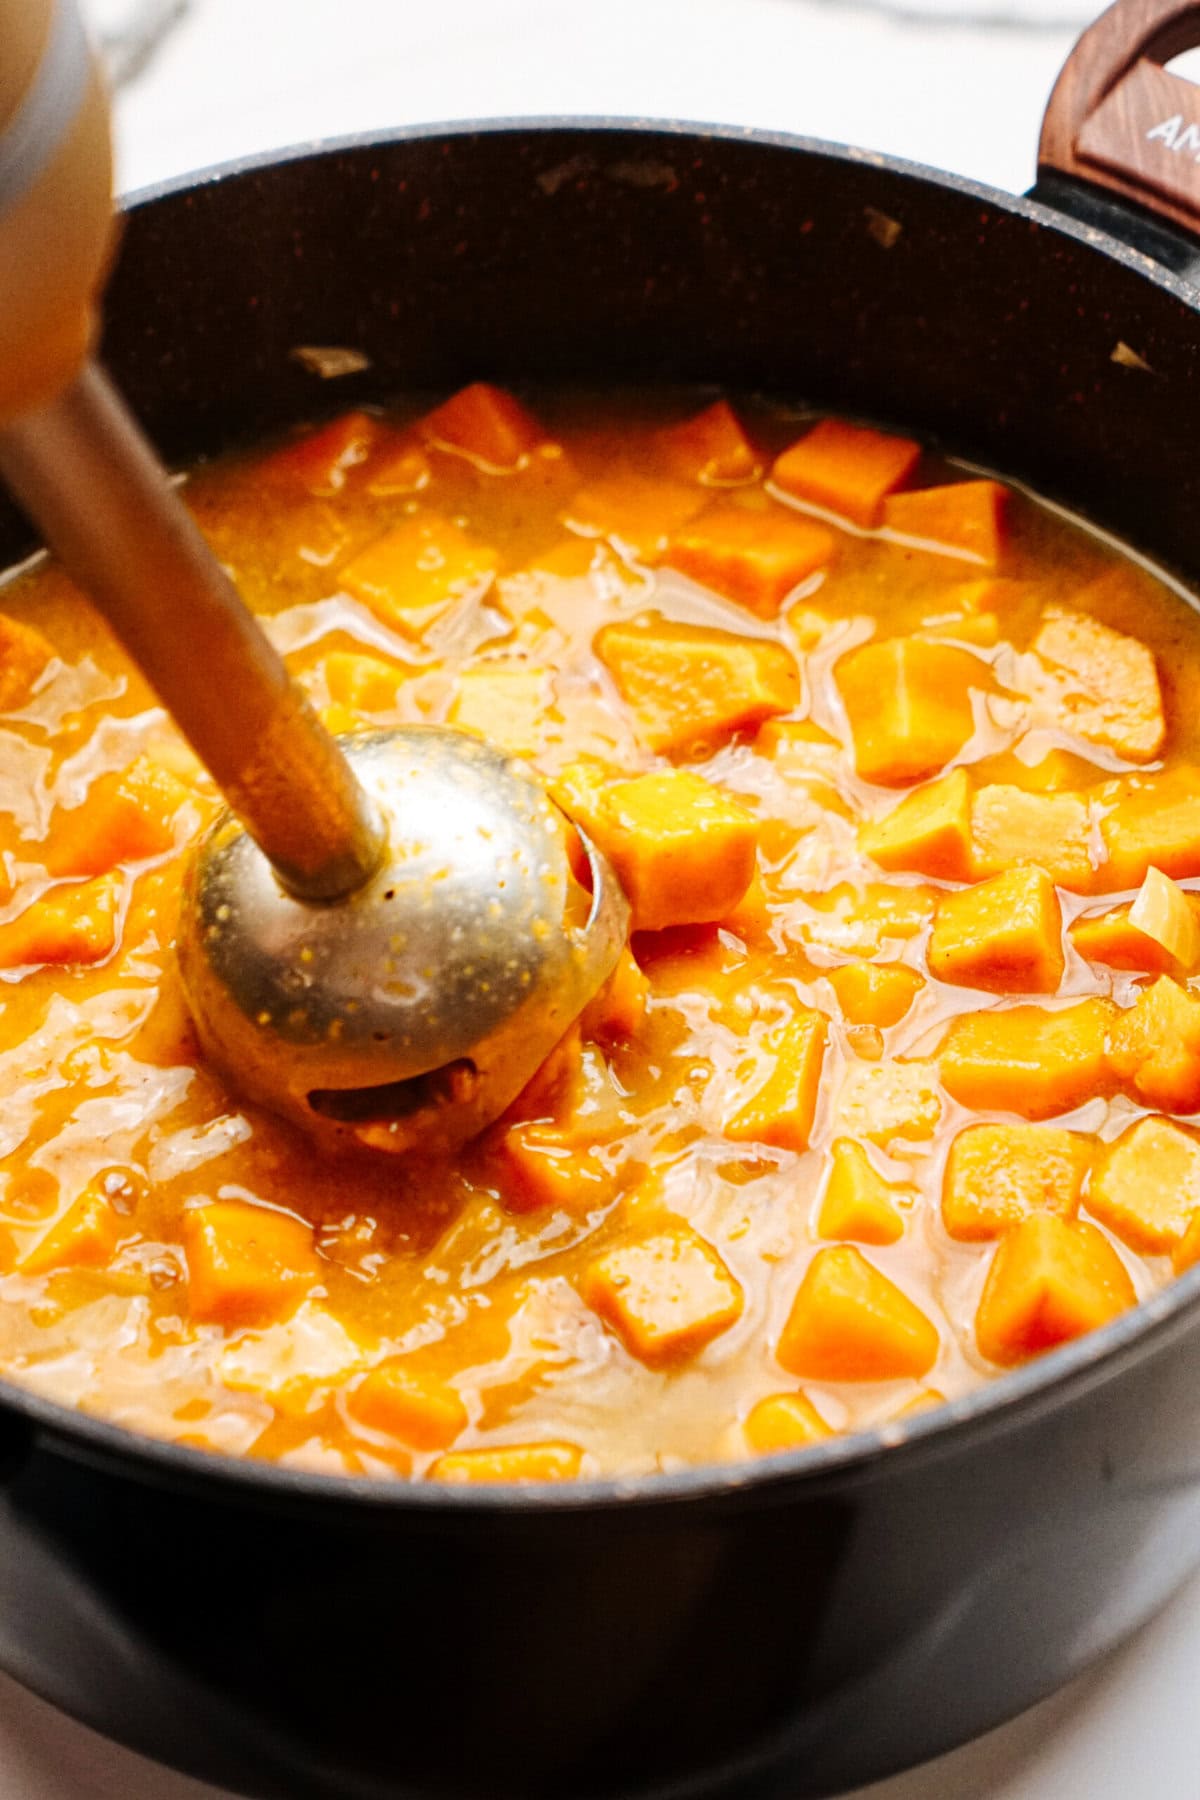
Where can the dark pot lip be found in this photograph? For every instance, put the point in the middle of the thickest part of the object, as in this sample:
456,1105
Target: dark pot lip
1002,1404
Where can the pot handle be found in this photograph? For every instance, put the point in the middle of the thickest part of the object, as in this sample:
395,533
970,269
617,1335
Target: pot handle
1119,121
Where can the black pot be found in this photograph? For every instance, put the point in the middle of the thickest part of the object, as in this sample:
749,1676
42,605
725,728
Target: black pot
815,1620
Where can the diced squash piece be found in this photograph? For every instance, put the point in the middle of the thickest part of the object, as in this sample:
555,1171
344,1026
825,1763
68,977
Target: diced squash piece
929,832
24,656
996,1175
846,468
551,1092
363,683
1146,1187
1152,821
750,919
84,1238
1098,683
909,706
339,720
1154,1047
850,1323
921,1402
618,1009
710,448
539,1169
799,746
894,1099
70,924
547,1461
321,460
1052,831
871,993
689,686
781,1111
1057,772
683,850
858,1203
755,558
859,921
404,469
1187,1251
1111,938
991,595
1162,912
1051,1280
1005,933
125,817
396,1399
965,519
963,628
666,1295
506,703
638,512
485,423
1028,1059
414,571
247,1265
783,1422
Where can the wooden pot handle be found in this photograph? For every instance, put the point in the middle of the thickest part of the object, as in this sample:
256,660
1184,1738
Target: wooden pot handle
1119,121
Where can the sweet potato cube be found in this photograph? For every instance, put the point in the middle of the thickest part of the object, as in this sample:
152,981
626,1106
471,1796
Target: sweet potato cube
1098,683
850,1323
506,703
539,1170
618,1009
871,993
1028,1059
1052,831
547,1461
666,1296
125,817
965,519
909,706
363,683
247,1265
798,746
689,687
1146,1187
24,656
847,469
754,558
413,572
83,1238
781,1111
1051,1280
929,831
1152,821
486,424
892,1099
640,513
403,469
1162,912
402,1402
1111,938
321,460
1154,1047
1005,933
858,1203
710,448
684,851
996,1175
1187,1251
1057,772
783,1422
76,923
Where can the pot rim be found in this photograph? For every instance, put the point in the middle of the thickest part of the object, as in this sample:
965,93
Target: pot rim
1001,1404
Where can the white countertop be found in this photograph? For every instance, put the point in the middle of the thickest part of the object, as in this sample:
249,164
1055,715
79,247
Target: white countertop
229,76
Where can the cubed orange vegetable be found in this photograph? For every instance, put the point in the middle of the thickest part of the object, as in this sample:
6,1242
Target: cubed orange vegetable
755,558
996,1175
247,1265
1056,772
781,1111
1111,938
401,469
1004,933
548,1461
83,1238
783,1422
485,423
24,656
710,447
1028,1059
507,703
963,519
1098,683
929,832
799,747
909,706
858,1203
539,1169
640,513
321,460
846,468
860,921
405,1403
1154,1047
1146,1187
666,1295
1162,912
1152,820
1051,1280
363,683
125,817
871,993
689,686
618,1009
896,1098
684,850
414,571
74,923
849,1322
1052,831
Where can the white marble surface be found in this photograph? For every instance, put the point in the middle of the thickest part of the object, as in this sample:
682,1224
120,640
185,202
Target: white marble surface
937,85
